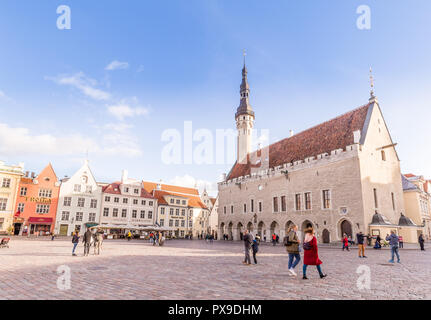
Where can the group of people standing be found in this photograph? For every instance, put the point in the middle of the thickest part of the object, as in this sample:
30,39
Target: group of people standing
293,247
394,241
89,239
157,238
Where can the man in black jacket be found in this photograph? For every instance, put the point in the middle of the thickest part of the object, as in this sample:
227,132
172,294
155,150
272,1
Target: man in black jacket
248,240
360,237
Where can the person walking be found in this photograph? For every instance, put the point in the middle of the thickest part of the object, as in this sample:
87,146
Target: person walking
292,247
75,241
360,237
393,242
311,254
274,239
345,242
421,242
248,240
401,241
255,249
87,239
129,236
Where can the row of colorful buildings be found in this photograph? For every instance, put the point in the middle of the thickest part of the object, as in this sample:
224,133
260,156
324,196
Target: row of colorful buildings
41,204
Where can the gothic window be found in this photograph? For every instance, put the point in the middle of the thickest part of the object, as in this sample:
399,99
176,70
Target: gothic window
376,203
297,201
275,200
283,203
307,201
326,199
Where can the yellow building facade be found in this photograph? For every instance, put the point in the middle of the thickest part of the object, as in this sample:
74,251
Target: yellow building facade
417,202
9,182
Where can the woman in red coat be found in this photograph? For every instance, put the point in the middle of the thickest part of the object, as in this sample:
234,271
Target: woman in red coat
311,255
345,242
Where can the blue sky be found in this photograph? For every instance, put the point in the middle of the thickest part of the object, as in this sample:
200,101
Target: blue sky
177,61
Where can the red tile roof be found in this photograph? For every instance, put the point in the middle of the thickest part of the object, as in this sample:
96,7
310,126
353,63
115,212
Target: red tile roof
114,188
150,186
194,201
191,194
323,138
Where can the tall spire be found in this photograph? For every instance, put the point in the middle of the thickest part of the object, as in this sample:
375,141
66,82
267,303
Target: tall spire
372,95
244,106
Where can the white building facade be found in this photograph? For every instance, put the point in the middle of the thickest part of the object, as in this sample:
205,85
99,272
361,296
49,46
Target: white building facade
127,204
79,203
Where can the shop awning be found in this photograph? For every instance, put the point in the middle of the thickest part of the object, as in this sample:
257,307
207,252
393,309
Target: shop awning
36,220
91,224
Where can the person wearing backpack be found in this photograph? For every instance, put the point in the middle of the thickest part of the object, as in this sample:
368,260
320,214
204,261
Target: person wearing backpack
291,241
311,254
255,248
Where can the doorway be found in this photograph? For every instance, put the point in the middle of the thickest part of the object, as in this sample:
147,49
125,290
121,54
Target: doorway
326,237
17,228
63,229
346,228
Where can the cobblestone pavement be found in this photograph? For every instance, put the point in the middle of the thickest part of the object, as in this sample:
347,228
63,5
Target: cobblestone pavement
185,269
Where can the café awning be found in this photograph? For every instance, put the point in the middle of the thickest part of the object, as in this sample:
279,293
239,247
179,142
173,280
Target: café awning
37,220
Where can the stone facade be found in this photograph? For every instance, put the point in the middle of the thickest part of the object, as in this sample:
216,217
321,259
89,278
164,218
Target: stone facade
417,201
334,177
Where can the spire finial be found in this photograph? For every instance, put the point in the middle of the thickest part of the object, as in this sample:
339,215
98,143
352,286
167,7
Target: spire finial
372,83
244,53
86,157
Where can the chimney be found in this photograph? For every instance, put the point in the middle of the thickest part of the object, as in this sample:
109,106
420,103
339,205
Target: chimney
291,133
357,136
224,176
124,176
33,175
27,173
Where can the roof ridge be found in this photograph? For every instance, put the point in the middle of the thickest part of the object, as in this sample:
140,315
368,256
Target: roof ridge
320,124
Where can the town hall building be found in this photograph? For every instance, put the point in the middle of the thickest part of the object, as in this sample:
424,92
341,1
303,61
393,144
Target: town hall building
341,176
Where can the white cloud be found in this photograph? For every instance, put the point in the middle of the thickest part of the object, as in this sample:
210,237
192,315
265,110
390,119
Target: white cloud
20,141
191,182
117,65
81,82
3,96
123,110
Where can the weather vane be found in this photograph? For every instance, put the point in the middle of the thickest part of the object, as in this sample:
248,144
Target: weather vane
372,82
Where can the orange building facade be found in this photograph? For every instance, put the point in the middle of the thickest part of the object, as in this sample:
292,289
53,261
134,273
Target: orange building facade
36,203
